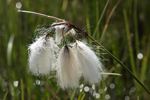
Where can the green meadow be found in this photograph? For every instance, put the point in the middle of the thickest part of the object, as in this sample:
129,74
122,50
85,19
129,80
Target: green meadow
120,27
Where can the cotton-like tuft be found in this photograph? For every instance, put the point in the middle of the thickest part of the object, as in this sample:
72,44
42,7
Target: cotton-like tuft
42,56
67,69
88,63
61,30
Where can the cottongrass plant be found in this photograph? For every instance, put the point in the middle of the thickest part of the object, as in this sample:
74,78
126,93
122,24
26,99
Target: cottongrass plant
61,30
88,63
67,26
67,68
72,62
42,55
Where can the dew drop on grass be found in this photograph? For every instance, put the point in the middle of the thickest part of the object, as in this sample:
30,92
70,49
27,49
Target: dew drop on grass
94,93
127,98
100,91
81,86
86,88
80,90
105,88
18,5
97,95
107,96
15,83
112,85
37,82
93,87
140,56
133,89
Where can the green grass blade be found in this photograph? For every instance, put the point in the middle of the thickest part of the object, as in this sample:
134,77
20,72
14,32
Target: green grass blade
73,94
9,49
87,21
83,96
129,42
145,63
105,28
80,95
22,89
100,18
136,32
5,95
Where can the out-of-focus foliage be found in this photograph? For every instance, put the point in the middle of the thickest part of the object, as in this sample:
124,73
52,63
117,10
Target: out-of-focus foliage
126,38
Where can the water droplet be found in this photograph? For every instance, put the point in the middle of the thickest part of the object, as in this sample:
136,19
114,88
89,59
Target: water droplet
100,91
80,90
140,56
133,89
37,82
81,86
86,88
97,95
105,88
127,98
94,94
112,85
107,96
15,83
93,87
18,5
124,89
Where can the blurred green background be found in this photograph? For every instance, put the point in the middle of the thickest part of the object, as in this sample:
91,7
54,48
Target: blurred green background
127,37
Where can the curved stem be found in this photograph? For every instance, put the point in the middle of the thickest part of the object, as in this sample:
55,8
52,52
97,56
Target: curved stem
54,95
35,13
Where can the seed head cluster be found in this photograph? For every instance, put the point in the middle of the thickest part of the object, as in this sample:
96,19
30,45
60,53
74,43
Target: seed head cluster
69,61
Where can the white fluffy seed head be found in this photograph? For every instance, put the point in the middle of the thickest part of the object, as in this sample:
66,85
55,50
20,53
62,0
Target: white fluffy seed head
88,63
67,69
61,30
42,56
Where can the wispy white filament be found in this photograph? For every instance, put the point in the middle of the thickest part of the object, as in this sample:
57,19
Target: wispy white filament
88,63
42,56
67,70
61,30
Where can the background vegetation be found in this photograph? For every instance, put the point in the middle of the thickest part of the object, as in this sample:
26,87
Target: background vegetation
127,36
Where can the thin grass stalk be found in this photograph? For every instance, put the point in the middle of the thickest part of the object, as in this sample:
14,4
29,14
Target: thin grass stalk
115,74
114,46
99,21
83,96
54,95
73,94
97,15
129,42
106,25
29,93
121,64
136,32
80,95
87,21
22,89
5,95
103,88
145,63
39,14
64,6
9,49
